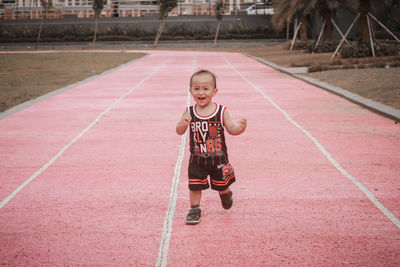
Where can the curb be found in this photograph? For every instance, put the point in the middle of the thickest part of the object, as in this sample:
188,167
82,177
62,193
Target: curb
372,105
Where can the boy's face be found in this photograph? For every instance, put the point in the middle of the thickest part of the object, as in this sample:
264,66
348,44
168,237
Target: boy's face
203,89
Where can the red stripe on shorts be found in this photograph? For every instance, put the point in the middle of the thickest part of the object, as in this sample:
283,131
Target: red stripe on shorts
198,181
222,183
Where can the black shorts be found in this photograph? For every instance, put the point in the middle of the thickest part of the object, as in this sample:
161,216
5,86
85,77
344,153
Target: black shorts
221,176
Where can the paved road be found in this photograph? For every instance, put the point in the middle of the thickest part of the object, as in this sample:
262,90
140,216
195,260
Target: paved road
97,176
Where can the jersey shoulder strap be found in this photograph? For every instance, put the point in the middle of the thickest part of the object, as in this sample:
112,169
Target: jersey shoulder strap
220,114
191,111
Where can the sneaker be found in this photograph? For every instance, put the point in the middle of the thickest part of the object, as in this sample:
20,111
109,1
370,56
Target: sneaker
194,216
226,200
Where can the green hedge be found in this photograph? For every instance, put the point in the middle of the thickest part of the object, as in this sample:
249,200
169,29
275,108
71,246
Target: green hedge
359,50
355,50
123,32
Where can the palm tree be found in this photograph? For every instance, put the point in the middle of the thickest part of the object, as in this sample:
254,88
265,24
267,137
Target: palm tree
326,10
286,10
364,7
97,7
364,15
46,4
165,7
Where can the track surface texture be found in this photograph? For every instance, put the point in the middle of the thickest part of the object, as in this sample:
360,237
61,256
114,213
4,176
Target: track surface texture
96,175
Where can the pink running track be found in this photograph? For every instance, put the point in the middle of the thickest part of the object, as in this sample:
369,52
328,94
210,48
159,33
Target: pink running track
96,175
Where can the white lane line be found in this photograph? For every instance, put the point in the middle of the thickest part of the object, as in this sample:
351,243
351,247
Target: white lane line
162,257
368,193
93,123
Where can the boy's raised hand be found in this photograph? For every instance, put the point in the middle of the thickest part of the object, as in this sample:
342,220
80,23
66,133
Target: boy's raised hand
186,118
183,123
242,123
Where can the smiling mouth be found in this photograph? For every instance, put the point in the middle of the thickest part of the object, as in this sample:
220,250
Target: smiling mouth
201,98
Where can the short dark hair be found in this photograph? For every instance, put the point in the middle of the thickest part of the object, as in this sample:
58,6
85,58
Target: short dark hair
199,72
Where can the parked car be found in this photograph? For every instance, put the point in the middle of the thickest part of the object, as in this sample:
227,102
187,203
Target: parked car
260,9
245,5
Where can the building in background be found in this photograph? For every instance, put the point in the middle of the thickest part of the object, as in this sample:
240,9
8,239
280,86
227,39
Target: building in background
32,9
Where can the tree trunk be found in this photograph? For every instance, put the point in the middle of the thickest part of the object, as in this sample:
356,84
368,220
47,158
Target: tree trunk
287,30
303,29
160,29
216,33
328,31
364,9
40,31
326,15
95,31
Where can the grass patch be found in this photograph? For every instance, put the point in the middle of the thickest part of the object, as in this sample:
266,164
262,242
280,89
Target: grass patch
28,76
379,84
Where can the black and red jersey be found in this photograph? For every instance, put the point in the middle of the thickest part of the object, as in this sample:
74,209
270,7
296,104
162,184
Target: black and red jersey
207,138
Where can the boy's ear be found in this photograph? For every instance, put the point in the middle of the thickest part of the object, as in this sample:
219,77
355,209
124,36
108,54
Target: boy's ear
215,91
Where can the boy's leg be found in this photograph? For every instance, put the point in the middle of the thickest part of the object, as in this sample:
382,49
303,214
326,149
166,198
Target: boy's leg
224,192
197,182
222,177
226,198
194,215
195,198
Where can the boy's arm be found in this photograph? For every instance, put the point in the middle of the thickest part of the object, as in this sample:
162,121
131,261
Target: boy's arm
183,123
234,128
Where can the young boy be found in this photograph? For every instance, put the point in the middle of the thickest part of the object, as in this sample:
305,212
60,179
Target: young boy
208,152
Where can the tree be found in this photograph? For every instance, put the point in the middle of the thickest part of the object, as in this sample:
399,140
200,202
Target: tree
326,10
365,28
363,10
47,5
219,10
165,7
286,10
97,6
364,7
